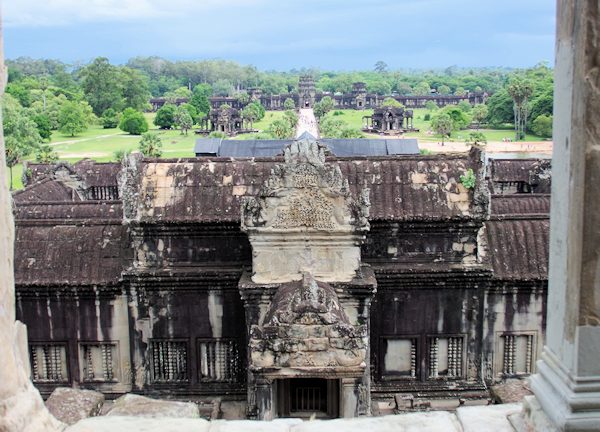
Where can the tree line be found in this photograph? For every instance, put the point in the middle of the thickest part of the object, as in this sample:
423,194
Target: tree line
43,96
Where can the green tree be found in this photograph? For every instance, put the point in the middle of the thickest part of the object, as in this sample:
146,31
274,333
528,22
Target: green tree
183,120
150,145
404,89
479,113
464,106
323,107
242,97
20,93
332,127
443,90
431,105
381,67
101,86
21,136
253,112
72,118
460,119
500,108
380,87
291,117
45,154
133,122
391,102
44,127
110,119
520,90
476,138
542,103
192,111
222,87
442,124
542,126
135,89
460,91
422,89
178,93
200,96
280,128
289,104
165,116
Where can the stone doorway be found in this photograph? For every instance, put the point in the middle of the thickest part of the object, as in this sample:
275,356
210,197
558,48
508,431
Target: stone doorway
307,397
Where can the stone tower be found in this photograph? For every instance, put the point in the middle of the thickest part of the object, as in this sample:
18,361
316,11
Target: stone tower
308,298
306,91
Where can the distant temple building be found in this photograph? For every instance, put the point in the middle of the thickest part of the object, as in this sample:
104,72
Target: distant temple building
389,120
358,98
297,283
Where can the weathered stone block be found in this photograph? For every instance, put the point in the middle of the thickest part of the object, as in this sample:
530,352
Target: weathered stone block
316,344
70,405
141,406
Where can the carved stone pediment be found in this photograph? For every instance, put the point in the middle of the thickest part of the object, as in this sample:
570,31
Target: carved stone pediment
306,328
305,219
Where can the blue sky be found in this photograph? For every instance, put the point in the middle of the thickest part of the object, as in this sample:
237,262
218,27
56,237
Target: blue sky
285,34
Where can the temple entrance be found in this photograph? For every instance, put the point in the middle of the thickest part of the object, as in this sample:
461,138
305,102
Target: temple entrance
305,397
306,104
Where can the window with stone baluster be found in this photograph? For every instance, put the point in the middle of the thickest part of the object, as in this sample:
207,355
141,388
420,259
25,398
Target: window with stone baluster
515,353
445,356
169,360
98,361
49,362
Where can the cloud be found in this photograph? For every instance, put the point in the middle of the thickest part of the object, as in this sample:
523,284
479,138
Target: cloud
48,13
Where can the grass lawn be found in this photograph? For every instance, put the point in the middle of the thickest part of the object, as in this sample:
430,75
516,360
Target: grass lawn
354,119
101,144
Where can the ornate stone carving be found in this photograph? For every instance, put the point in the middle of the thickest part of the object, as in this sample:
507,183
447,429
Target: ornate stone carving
306,327
304,219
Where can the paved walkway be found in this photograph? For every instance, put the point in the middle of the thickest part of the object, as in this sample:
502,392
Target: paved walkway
491,147
307,123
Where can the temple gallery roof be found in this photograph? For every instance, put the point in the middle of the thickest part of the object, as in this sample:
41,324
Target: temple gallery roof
92,173
514,170
70,254
339,147
402,188
519,248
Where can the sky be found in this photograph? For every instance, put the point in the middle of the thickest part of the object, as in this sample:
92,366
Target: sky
286,34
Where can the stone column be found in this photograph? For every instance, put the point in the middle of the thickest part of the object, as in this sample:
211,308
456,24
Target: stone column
21,406
567,386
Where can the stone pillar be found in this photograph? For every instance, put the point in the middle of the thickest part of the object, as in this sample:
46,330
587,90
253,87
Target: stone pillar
567,386
21,406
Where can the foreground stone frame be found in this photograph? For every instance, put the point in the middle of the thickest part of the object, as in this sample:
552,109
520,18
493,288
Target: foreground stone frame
567,386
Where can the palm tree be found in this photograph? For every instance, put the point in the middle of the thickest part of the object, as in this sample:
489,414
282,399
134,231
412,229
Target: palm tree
520,90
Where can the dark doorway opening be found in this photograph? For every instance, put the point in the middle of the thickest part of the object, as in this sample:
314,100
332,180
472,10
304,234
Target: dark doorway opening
307,104
305,397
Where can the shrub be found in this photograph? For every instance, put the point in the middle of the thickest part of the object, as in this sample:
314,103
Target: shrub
165,116
468,180
217,134
133,122
150,145
110,119
427,117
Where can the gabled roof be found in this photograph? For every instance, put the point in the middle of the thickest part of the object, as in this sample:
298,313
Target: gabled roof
45,189
92,173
